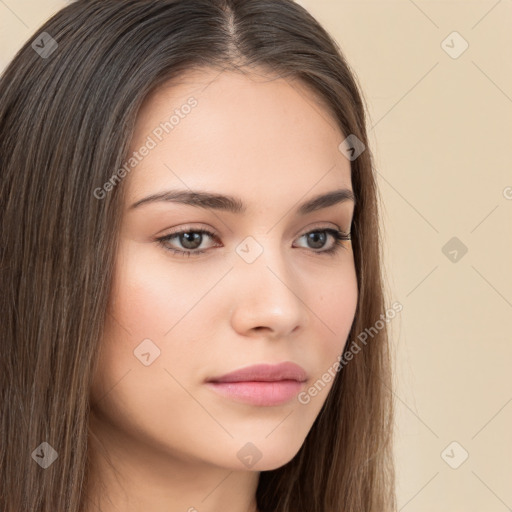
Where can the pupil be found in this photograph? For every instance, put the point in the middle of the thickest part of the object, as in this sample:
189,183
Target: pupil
190,244
314,238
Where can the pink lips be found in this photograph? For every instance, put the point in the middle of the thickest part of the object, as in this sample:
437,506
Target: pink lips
262,384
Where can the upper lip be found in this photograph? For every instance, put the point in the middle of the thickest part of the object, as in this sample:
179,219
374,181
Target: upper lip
264,373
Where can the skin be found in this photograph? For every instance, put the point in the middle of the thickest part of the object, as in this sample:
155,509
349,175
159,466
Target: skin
173,441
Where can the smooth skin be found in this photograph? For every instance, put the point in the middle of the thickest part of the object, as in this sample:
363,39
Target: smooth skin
173,441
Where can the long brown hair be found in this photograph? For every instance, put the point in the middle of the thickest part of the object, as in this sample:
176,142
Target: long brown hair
67,114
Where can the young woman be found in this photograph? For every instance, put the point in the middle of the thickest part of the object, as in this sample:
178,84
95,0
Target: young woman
190,266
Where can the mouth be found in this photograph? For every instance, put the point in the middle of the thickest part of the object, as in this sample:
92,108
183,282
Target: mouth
261,385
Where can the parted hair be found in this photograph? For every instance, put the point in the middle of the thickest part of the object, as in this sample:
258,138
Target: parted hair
66,122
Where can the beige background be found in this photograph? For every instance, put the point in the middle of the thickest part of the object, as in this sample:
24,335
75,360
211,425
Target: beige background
440,128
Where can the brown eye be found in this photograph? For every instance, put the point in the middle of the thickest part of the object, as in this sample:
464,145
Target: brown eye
189,240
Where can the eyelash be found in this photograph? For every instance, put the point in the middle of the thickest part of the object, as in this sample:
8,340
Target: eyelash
338,236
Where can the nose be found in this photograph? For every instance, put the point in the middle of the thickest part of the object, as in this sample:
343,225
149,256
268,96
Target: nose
267,297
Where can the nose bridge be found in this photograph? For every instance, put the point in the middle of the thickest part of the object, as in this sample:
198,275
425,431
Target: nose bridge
269,296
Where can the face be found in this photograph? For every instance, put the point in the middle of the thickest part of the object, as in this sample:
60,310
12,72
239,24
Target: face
202,290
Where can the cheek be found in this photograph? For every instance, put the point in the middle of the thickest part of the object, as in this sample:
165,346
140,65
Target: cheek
151,295
154,308
335,309
158,308
336,303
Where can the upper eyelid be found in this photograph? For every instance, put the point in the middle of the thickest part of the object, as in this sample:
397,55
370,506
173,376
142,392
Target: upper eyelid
319,226
201,226
212,234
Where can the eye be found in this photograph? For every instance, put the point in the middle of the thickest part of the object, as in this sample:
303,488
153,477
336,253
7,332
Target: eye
318,238
191,239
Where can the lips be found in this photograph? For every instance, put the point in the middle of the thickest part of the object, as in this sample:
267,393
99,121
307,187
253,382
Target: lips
262,385
265,373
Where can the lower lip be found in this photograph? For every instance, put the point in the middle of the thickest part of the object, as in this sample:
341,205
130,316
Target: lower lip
259,393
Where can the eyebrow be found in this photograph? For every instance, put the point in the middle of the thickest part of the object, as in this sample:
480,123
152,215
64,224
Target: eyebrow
209,200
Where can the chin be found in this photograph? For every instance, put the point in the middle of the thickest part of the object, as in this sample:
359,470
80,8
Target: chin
265,456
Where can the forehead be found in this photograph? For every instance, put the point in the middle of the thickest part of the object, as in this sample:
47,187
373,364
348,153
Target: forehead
243,133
